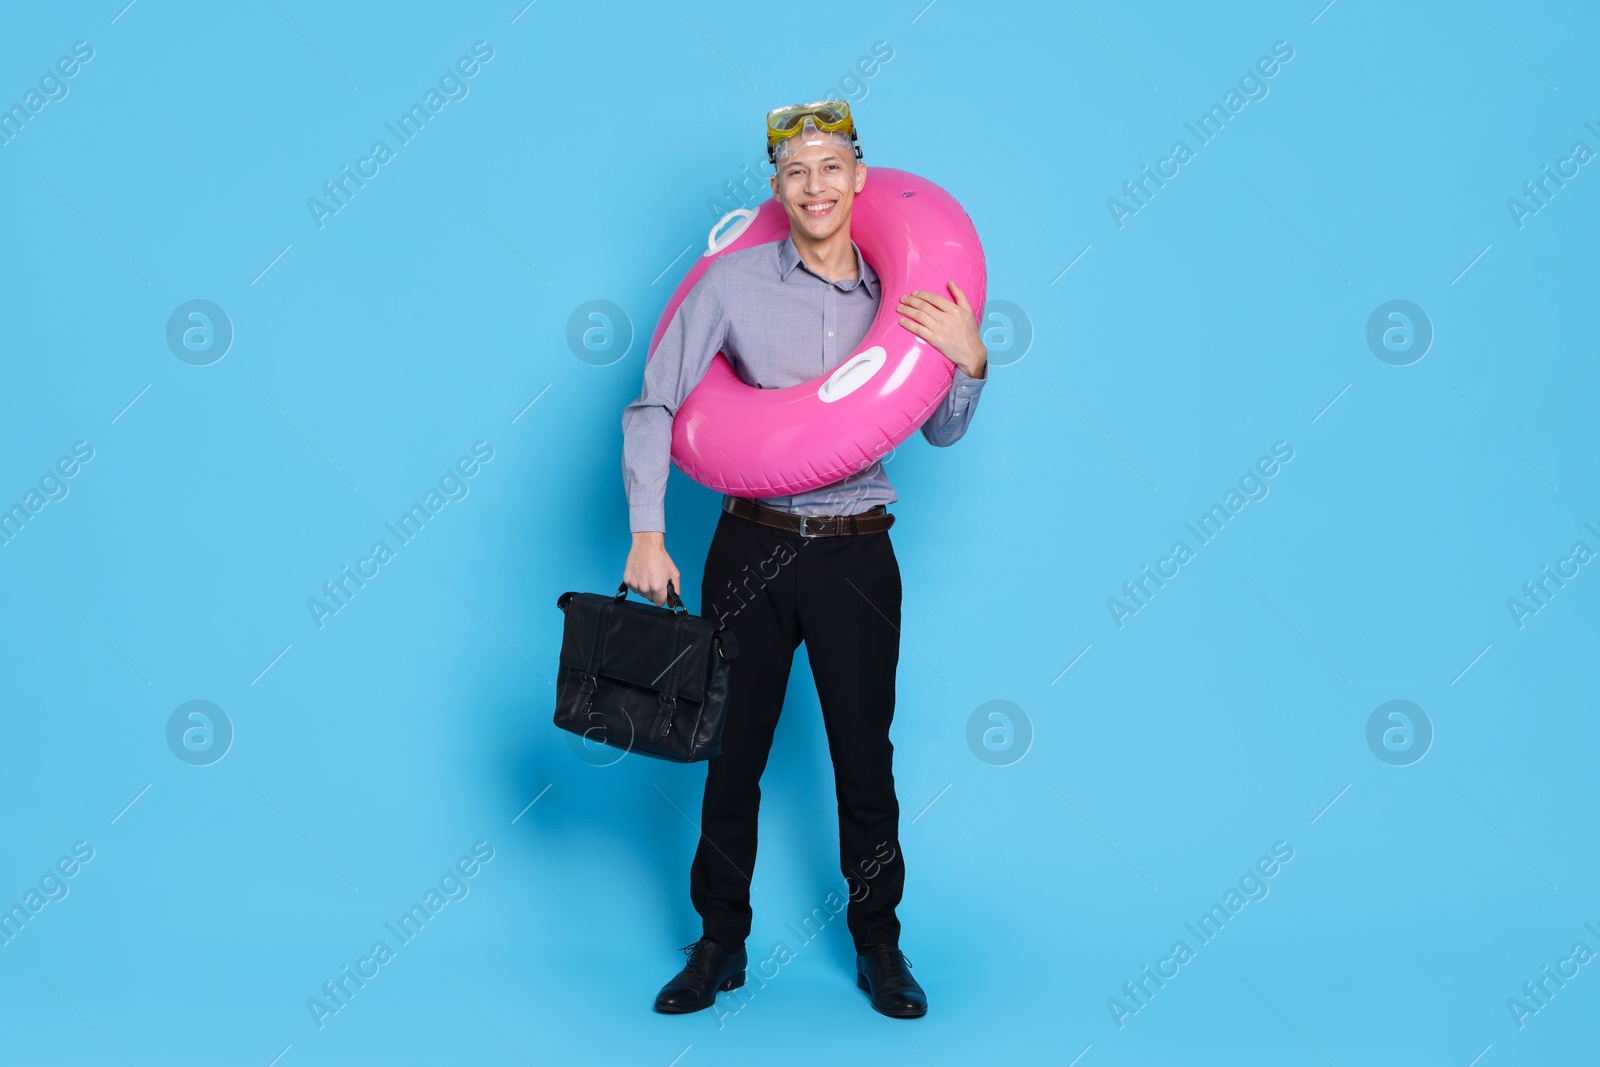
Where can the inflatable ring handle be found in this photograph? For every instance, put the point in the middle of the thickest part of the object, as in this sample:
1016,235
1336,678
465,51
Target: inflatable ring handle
714,244
852,374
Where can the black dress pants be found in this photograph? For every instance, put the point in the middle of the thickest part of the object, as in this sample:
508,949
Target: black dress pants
841,596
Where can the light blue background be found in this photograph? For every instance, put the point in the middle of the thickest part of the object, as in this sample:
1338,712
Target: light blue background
1230,713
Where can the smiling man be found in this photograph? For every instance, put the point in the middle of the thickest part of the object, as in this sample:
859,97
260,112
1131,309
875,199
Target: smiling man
785,313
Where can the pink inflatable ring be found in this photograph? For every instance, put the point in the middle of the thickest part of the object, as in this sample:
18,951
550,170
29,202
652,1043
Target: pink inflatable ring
752,442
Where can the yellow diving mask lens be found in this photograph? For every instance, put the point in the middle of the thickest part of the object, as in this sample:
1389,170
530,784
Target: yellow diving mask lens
826,116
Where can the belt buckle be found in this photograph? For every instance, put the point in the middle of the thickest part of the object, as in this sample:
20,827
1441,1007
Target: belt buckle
804,519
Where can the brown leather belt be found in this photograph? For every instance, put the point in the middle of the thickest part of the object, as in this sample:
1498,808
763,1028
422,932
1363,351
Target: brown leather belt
874,520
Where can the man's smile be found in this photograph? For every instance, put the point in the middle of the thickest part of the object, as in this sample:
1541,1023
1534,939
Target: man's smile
819,208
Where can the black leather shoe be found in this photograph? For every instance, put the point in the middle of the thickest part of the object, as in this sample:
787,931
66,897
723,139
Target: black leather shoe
710,968
881,970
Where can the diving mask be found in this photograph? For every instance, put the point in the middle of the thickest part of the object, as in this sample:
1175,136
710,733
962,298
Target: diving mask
792,128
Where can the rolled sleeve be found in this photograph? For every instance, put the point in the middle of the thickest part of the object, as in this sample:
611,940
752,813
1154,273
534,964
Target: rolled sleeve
949,420
692,339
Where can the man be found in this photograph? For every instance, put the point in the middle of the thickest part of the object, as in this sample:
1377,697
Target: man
784,313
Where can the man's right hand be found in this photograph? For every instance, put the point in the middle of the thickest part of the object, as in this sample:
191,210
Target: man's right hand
650,568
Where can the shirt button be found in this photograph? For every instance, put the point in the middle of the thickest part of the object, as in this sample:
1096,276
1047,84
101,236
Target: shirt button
830,333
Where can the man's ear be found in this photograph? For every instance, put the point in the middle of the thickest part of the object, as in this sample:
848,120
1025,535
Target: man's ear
861,176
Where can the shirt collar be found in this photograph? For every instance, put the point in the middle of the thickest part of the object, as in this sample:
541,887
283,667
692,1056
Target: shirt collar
789,259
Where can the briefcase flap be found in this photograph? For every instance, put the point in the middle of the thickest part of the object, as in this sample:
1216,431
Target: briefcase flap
638,643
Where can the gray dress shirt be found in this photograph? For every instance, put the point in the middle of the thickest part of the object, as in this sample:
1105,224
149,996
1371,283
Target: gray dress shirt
778,327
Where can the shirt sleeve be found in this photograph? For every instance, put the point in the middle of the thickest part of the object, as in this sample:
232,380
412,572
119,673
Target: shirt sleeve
949,420
692,339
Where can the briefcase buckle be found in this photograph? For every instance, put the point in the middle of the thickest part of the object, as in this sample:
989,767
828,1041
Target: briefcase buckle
663,724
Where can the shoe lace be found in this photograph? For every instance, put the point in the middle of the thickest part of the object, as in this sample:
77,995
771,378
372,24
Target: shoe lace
892,961
697,953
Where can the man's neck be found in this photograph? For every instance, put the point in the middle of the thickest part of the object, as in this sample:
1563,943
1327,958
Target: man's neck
833,258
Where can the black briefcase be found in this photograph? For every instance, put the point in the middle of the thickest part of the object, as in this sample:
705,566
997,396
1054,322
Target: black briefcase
642,678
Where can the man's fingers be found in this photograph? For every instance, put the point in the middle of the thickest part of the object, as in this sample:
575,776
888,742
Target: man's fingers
919,298
927,312
657,593
961,298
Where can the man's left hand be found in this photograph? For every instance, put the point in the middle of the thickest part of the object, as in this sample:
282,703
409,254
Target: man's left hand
949,326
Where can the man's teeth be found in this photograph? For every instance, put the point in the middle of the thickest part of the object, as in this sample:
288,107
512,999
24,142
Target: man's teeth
818,209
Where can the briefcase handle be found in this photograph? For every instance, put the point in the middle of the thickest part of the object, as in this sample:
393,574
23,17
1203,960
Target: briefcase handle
674,601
